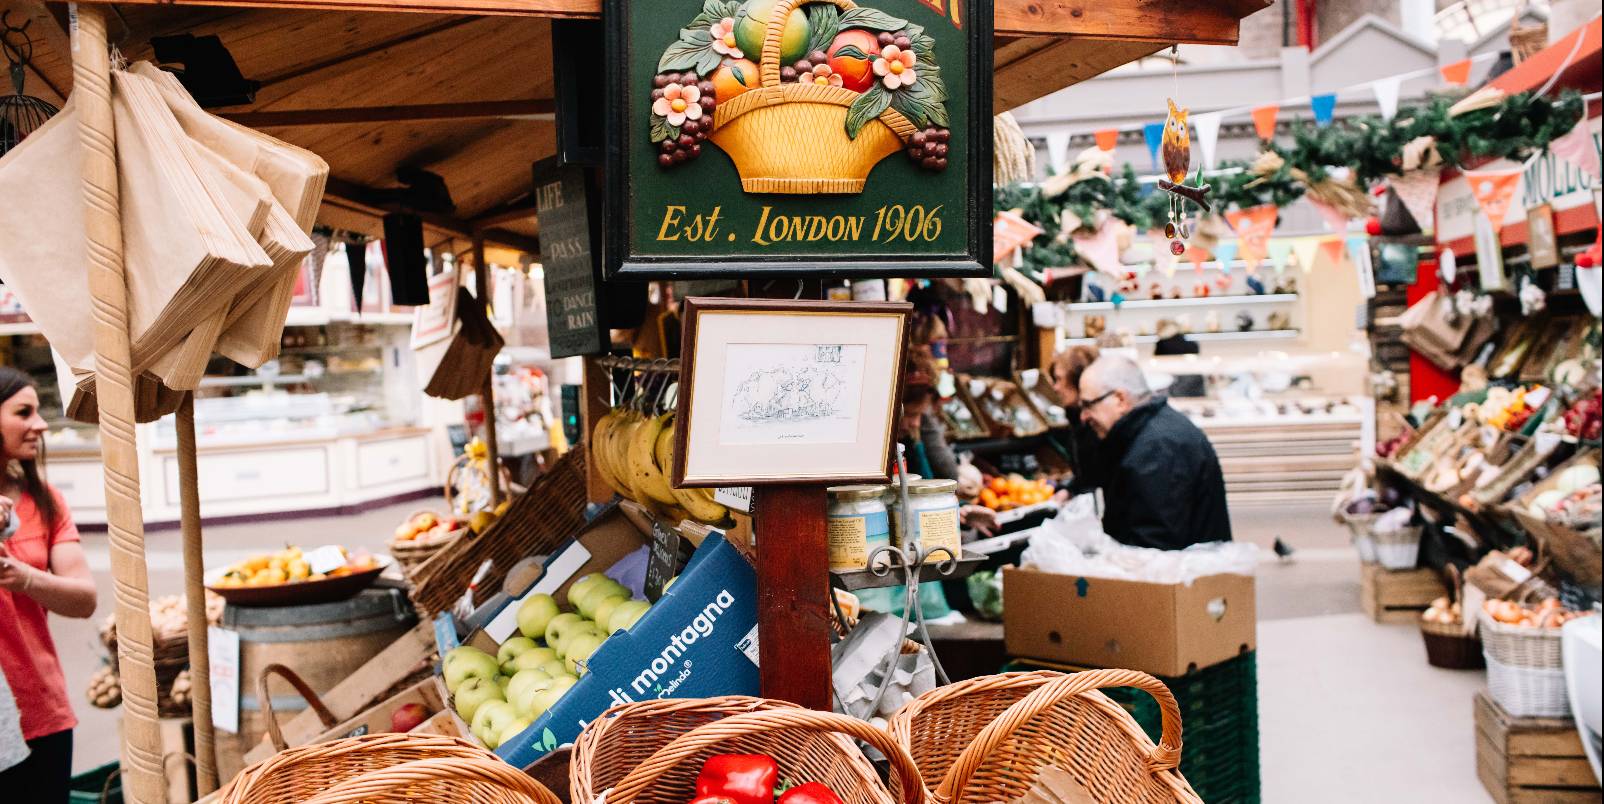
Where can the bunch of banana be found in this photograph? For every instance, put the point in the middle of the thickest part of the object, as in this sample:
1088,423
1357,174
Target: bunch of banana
631,450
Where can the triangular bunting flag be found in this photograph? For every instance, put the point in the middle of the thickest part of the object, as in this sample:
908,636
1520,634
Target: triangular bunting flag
1264,121
1359,255
1101,250
1333,250
1107,138
1578,149
1163,260
1417,189
1324,108
1154,134
1197,255
1225,253
1208,135
1457,74
1010,231
1306,249
1058,152
1335,219
1386,90
1494,189
1254,227
1279,251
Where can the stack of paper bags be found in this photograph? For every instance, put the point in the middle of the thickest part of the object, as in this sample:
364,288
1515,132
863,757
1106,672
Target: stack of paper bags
215,219
458,366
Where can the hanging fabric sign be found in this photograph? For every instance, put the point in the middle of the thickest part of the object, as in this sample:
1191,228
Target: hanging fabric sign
1208,135
1254,226
1386,90
1264,121
1101,250
1578,148
1324,108
1225,253
1494,189
1010,231
1359,255
1279,251
1335,219
1456,74
1058,152
1307,250
1153,133
1417,189
1107,138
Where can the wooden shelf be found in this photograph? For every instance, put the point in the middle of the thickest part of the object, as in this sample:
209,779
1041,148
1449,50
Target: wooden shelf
1199,301
1201,337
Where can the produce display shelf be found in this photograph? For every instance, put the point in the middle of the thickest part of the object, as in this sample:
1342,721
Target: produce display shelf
1199,301
1249,335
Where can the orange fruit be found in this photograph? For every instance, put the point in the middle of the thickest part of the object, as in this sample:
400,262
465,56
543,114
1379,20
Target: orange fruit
732,78
999,485
855,71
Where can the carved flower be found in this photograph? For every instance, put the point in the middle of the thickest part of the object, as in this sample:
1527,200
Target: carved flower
822,75
895,67
723,33
680,102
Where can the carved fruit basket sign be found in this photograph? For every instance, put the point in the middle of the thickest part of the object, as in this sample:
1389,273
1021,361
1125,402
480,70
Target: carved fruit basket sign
799,137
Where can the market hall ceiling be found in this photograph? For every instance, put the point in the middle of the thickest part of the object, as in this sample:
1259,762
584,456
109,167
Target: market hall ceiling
469,97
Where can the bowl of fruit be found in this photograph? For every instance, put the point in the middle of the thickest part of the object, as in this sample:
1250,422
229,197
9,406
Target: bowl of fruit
292,577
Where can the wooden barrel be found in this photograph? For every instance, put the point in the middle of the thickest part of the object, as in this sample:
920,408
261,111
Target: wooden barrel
323,643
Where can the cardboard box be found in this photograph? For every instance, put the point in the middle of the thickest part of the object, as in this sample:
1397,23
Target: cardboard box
376,720
1163,629
698,640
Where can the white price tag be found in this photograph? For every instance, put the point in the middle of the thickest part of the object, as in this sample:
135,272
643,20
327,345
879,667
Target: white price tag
325,559
737,497
748,645
1514,571
222,651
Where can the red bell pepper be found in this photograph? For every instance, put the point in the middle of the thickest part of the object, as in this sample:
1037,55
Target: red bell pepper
810,793
741,778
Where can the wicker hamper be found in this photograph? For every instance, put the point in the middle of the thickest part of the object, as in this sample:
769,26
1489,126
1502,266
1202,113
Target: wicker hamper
988,738
1524,670
652,751
385,767
1448,647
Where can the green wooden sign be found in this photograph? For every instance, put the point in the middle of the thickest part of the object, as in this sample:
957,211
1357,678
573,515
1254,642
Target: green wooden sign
799,137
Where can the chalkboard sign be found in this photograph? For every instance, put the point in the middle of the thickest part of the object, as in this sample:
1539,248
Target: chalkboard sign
565,205
664,561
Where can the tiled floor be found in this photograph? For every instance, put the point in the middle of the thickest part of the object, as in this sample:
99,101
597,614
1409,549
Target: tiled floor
1348,709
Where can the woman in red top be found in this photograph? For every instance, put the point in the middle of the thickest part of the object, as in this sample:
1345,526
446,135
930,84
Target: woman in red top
42,570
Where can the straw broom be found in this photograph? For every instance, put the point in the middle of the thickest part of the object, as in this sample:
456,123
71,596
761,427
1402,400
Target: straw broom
142,769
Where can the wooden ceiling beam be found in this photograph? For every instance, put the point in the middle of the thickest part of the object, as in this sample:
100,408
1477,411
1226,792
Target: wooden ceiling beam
356,197
378,47
533,108
521,210
1059,64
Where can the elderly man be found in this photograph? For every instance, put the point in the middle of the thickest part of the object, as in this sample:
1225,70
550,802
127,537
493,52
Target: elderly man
1164,487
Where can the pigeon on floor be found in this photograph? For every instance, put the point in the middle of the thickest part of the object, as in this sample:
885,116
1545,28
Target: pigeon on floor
1283,550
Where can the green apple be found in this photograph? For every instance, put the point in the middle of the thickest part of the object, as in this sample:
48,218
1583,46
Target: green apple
579,650
554,668
579,587
512,648
491,718
627,614
558,626
529,660
470,663
752,22
534,613
474,693
502,681
605,610
512,730
522,682
592,597
547,695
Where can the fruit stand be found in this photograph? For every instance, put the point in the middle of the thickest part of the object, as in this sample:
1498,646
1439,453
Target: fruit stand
314,57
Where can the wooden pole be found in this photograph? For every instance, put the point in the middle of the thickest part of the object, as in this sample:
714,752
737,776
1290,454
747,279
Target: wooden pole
142,772
793,588
487,396
200,668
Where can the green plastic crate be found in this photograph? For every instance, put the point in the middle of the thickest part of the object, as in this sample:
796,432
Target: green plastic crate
86,787
1219,722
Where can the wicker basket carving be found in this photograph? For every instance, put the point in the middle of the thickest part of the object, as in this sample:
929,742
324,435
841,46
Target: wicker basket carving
385,767
652,751
988,738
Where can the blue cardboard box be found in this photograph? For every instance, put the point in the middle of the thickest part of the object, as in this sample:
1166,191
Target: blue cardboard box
697,641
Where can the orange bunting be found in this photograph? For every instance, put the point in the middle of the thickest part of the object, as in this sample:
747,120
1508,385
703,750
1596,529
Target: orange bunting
1458,73
1264,121
1253,228
1494,189
1107,138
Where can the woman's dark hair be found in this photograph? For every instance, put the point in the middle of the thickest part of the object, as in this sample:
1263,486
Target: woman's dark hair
12,381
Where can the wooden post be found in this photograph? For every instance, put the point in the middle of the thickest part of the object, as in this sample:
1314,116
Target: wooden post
142,769
487,397
200,672
793,589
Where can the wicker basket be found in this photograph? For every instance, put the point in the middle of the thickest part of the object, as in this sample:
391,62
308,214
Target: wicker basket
1399,549
414,553
652,751
1525,673
537,521
1448,647
987,739
791,138
1359,527
385,767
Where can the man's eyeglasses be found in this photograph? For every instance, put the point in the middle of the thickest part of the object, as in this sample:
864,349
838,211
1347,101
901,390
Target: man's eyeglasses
1090,403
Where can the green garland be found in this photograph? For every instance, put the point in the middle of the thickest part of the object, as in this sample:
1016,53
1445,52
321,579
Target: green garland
1514,128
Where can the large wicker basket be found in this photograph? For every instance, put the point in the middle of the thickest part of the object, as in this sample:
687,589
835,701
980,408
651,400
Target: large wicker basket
652,751
385,767
791,138
988,738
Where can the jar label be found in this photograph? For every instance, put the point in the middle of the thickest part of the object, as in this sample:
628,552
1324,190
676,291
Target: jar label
848,538
936,527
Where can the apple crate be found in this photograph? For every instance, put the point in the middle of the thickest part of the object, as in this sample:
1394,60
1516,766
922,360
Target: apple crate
1526,760
1398,596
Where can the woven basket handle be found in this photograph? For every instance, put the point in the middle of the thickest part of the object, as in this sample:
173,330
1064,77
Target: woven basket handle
1165,756
642,777
382,784
274,733
769,61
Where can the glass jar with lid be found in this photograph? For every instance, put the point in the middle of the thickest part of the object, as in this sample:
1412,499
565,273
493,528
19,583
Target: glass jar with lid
933,510
857,525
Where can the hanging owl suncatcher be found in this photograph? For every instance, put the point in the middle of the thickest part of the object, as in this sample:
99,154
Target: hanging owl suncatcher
1177,151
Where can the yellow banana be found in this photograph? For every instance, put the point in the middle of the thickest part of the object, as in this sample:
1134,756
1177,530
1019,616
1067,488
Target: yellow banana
696,502
618,453
663,451
598,450
644,474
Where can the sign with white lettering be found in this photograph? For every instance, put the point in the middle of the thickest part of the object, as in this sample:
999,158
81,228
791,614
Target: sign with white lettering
792,137
564,205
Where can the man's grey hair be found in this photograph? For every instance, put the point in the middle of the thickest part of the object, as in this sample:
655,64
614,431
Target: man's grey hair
1118,373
